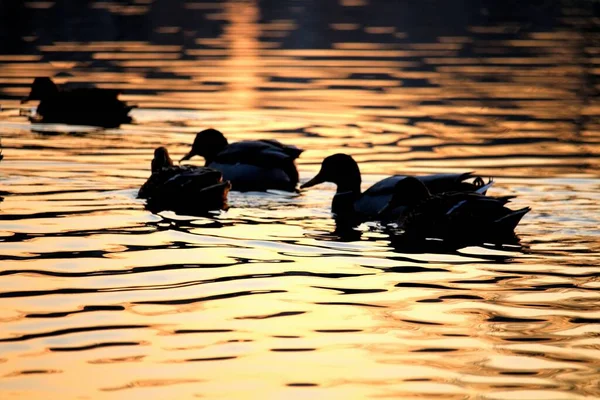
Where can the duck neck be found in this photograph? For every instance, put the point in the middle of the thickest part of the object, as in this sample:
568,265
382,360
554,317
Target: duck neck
210,155
348,191
350,186
213,151
43,89
208,160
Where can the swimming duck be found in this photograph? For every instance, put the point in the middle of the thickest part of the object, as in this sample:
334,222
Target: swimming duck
350,204
250,165
185,189
452,216
81,106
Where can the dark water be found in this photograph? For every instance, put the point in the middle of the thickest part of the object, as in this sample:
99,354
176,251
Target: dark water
101,299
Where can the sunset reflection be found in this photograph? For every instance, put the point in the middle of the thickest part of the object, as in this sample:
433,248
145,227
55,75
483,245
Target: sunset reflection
242,33
102,298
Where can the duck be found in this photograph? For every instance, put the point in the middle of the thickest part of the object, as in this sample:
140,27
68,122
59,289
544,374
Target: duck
81,106
185,189
250,165
354,206
464,217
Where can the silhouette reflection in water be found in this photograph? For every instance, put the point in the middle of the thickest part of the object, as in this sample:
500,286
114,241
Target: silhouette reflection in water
106,299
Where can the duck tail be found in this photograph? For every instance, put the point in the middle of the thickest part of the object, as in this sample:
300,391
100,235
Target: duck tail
483,188
194,200
504,199
293,151
221,188
466,175
510,221
478,185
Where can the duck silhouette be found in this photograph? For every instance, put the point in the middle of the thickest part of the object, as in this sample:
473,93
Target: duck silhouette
185,189
79,106
250,165
354,206
464,217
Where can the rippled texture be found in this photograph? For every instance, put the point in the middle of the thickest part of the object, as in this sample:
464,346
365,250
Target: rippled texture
102,299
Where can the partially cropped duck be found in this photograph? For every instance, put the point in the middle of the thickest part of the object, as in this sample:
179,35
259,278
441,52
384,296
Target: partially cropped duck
184,189
350,204
452,216
81,106
250,165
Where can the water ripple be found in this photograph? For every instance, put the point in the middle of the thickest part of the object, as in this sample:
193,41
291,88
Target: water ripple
268,299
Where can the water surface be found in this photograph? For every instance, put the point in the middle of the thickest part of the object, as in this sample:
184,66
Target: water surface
103,299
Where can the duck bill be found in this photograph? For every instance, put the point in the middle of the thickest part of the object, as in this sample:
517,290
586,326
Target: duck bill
314,181
187,156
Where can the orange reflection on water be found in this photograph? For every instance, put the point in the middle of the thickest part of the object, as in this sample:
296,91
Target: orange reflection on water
103,299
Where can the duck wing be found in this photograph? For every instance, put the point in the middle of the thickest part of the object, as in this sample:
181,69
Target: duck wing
442,183
438,183
510,221
375,198
98,94
462,216
185,189
258,152
482,217
98,107
290,150
268,154
177,178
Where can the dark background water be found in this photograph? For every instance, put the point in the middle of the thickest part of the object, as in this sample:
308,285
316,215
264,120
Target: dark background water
100,298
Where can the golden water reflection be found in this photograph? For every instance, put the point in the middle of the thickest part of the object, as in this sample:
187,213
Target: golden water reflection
102,299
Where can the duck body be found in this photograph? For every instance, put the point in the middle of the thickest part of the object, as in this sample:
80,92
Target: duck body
375,198
350,204
184,189
465,217
250,165
81,106
253,178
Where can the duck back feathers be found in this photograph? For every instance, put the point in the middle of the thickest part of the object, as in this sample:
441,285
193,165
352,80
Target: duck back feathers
258,152
80,106
253,178
374,199
184,189
342,170
461,216
250,165
258,165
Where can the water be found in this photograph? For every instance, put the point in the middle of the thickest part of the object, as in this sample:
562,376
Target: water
102,299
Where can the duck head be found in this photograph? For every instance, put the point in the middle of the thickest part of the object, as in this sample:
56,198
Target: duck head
161,159
340,169
42,88
207,144
408,192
